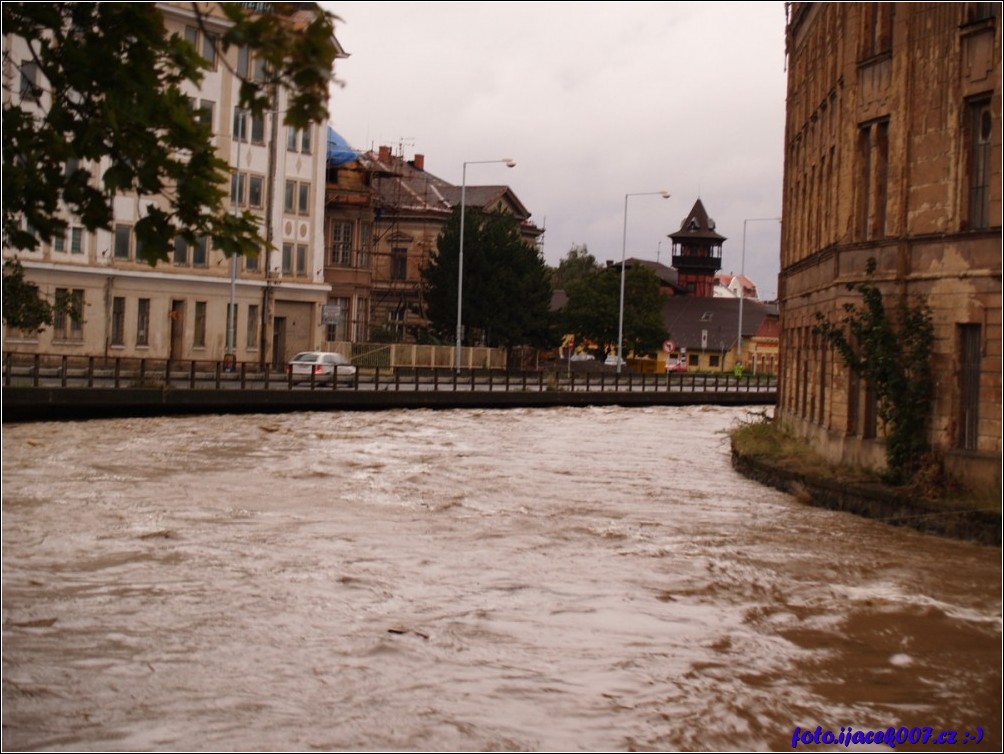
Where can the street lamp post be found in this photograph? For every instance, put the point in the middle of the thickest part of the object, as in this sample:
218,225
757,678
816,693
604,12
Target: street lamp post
230,359
742,274
620,320
509,163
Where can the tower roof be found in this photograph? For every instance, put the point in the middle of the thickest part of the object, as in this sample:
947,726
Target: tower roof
697,225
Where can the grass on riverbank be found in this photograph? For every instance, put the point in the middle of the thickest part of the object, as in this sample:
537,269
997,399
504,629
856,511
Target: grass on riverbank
767,441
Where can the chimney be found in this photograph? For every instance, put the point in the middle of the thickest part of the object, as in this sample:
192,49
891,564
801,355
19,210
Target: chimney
419,162
384,154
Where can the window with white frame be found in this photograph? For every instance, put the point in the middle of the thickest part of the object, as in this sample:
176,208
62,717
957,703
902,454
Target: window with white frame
123,242
341,243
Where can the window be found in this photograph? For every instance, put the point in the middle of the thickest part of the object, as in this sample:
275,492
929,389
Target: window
251,262
238,183
301,259
713,359
980,128
304,203
260,69
287,258
340,329
240,124
258,129
180,251
199,331
873,180
877,36
68,321
252,338
693,360
305,146
290,138
243,62
29,82
76,240
256,185
969,392
118,321
398,264
209,49
297,198
123,237
205,113
59,240
341,243
200,253
290,196
143,322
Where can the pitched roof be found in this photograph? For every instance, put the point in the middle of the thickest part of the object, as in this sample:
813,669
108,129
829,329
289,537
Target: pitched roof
697,225
686,317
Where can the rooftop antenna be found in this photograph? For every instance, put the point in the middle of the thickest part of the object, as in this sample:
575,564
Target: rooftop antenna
402,141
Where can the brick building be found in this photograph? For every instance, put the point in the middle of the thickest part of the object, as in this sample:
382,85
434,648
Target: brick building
893,152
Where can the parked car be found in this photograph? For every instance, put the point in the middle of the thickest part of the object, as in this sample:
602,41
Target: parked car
612,359
324,366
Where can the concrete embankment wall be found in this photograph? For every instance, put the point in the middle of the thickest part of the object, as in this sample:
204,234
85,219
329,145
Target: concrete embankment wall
23,404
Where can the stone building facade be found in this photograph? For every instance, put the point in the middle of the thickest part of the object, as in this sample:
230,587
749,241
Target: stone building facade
893,152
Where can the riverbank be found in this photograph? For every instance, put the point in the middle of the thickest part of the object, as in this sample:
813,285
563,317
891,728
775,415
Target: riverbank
762,452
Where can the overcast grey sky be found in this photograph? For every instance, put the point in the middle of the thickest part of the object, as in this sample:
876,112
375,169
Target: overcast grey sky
593,101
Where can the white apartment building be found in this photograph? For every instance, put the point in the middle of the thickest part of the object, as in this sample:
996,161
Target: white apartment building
179,309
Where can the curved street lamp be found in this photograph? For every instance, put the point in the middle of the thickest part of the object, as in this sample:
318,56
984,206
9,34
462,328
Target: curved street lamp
620,321
509,163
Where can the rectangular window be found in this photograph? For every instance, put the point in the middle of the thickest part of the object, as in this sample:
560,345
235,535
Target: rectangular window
199,333
341,243
713,359
980,127
200,253
873,180
205,113
398,264
340,330
969,387
301,259
118,321
694,360
68,319
251,262
238,188
290,201
76,240
305,145
180,251
260,69
240,132
143,322
243,62
304,203
258,129
252,330
192,36
123,235
256,186
59,240
209,49
290,138
287,258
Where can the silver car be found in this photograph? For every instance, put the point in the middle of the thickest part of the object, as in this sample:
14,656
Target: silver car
324,366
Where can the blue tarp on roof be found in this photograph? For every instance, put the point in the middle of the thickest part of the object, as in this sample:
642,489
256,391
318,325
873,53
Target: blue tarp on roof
339,151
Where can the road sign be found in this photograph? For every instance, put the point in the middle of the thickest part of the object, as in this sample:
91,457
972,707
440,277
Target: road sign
669,346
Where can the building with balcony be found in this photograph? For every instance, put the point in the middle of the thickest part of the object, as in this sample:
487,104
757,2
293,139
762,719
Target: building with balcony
893,153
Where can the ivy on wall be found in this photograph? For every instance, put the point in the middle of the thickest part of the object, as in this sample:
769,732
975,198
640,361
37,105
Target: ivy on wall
892,351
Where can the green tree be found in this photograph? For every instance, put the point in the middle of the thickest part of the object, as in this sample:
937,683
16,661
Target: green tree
892,352
113,80
593,309
507,286
577,263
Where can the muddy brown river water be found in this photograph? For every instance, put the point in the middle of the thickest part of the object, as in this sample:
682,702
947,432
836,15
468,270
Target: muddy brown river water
563,579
